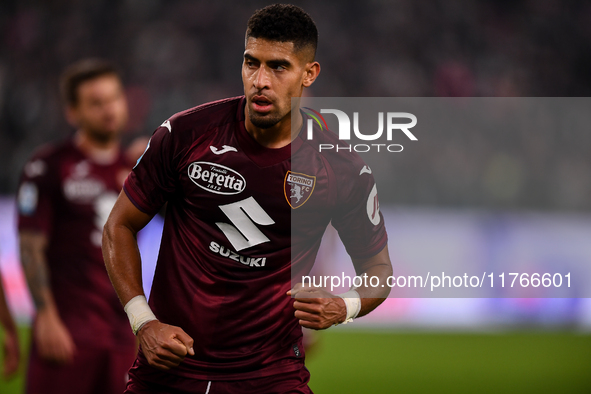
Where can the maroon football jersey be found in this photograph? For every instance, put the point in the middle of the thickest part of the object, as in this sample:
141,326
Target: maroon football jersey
224,265
68,197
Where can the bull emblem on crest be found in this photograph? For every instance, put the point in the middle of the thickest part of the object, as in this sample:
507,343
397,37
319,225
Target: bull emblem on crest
296,192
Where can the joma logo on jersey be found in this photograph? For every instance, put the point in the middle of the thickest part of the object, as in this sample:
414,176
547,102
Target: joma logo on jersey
298,188
216,178
392,124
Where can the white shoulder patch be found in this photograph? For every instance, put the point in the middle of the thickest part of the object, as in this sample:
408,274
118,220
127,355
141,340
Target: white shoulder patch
145,150
373,206
167,125
27,198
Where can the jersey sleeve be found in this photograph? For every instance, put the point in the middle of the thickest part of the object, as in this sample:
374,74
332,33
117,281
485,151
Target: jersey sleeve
357,217
152,181
38,189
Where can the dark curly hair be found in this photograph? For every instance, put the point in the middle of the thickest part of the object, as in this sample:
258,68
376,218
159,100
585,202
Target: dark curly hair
284,23
80,72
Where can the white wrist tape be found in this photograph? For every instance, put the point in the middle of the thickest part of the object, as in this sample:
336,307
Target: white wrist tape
353,304
139,313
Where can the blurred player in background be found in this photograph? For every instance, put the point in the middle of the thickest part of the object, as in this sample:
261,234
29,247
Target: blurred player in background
81,340
10,348
220,317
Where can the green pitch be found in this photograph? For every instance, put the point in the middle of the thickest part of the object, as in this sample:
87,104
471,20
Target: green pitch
347,361
15,385
390,362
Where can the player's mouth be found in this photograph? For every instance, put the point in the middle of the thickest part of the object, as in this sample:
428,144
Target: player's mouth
261,103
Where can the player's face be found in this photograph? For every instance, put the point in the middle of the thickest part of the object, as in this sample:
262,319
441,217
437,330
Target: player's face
272,74
101,110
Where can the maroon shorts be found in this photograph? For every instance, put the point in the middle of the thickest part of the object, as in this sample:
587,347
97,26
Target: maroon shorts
94,370
295,382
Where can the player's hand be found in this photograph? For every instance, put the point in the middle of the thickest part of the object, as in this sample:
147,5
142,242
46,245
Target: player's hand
54,342
164,346
316,308
11,353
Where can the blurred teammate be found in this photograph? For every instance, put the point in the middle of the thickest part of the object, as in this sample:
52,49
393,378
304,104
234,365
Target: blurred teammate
81,341
10,348
220,318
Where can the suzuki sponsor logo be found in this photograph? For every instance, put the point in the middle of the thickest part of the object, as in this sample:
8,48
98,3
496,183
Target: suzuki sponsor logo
391,123
216,178
229,253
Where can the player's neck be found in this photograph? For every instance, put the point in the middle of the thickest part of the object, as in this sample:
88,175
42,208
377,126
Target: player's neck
277,136
100,152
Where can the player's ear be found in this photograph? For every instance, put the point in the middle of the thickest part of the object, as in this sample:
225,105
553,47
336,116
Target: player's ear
311,73
71,115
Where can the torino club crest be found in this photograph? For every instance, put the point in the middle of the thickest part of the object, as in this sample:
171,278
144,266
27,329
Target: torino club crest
298,188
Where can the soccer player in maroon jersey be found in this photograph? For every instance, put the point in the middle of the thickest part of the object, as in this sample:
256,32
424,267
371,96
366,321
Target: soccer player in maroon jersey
222,315
81,341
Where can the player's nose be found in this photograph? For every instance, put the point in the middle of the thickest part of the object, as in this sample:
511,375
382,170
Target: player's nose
261,78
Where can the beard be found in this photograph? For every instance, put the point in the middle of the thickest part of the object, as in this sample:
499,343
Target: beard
263,121
100,135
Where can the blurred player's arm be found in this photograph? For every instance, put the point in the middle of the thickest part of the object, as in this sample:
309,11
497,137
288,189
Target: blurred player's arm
53,339
164,346
379,266
318,309
11,347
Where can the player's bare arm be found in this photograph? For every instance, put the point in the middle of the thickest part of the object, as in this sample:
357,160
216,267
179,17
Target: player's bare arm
53,338
379,266
318,309
164,346
11,349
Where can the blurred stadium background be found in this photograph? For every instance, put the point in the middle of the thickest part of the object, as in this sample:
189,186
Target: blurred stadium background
177,54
